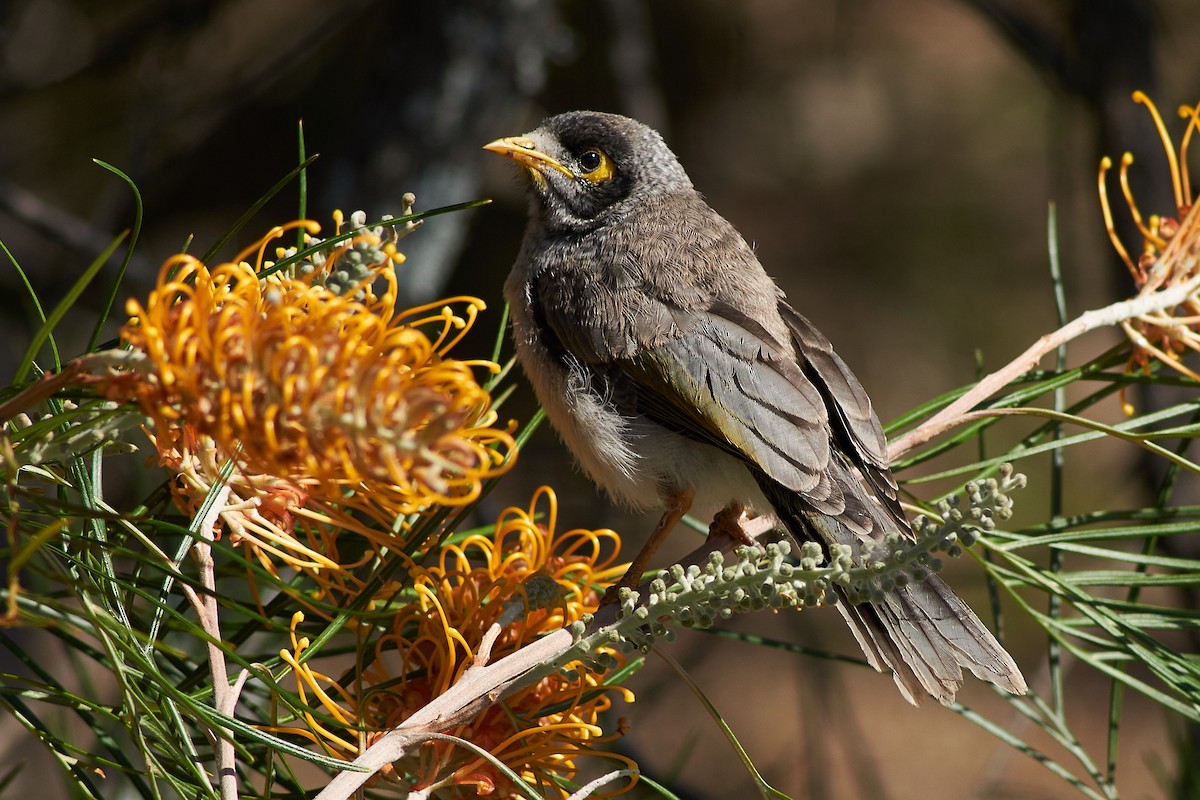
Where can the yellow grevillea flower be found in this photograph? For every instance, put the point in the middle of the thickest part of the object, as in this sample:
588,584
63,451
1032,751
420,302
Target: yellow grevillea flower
526,580
308,383
1169,251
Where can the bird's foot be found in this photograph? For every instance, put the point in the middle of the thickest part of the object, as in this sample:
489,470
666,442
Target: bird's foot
731,521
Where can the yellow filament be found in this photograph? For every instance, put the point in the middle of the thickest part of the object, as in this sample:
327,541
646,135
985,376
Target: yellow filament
1140,97
1106,208
310,227
1192,114
1170,360
1181,243
1148,233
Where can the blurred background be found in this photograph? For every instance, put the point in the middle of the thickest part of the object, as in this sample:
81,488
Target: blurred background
893,162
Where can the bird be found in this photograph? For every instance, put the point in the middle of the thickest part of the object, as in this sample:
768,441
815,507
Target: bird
680,377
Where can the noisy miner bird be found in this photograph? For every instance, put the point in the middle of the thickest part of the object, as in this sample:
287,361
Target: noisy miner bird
677,373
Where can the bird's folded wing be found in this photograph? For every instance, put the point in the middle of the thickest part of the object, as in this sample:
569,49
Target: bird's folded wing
722,383
853,420
845,393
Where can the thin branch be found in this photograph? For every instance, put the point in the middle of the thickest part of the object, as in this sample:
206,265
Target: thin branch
224,696
41,390
958,412
588,789
74,233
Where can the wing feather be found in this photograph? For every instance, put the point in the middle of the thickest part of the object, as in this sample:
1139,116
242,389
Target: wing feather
846,394
854,421
722,384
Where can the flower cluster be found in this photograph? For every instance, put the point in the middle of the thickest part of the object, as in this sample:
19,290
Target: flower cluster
326,432
1169,252
506,588
306,392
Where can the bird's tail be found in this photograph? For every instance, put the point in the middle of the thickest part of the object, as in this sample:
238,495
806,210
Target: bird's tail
926,634
922,631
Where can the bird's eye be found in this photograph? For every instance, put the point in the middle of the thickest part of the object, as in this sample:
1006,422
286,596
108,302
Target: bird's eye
590,160
595,165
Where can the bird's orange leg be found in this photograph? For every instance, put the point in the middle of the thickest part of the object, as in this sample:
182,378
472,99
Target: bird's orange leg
678,503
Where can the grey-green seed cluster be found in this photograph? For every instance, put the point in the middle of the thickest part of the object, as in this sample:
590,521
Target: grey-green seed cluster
987,500
768,577
697,596
542,591
349,269
900,560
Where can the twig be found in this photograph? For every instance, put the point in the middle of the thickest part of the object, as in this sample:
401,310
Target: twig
513,611
224,696
957,412
483,653
74,233
588,789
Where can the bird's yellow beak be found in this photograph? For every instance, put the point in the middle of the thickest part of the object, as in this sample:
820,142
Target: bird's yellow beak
521,150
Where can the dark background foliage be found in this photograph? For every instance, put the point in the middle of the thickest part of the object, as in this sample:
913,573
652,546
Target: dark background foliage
892,161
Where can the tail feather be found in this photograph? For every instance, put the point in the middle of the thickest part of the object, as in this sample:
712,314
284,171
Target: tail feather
880,649
925,634
922,631
955,632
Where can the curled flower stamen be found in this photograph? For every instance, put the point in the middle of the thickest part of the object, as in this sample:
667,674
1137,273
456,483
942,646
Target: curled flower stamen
1148,233
311,227
1109,225
1192,115
1165,138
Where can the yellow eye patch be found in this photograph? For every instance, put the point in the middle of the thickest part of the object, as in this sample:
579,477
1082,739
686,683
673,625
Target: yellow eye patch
596,166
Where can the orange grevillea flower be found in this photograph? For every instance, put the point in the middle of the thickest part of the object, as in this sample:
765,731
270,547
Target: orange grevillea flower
1168,253
305,392
520,581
